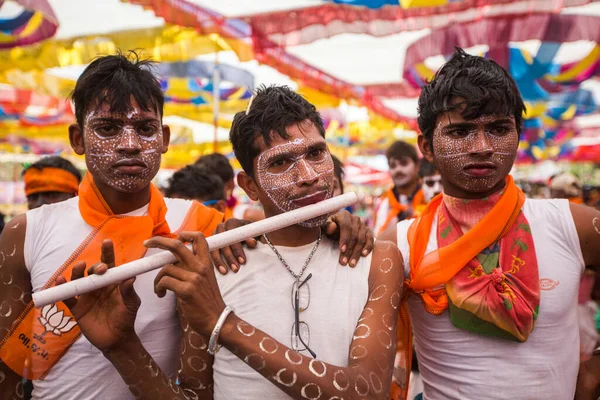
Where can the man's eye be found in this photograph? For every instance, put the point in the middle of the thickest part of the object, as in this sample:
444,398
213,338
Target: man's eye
317,153
499,130
278,163
147,130
459,132
106,130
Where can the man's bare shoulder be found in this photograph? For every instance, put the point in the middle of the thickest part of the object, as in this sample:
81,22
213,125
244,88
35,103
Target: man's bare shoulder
387,262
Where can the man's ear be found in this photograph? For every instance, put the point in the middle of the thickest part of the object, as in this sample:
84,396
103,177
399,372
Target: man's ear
166,138
247,183
426,147
76,139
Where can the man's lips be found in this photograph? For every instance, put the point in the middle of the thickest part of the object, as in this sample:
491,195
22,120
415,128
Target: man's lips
310,199
130,166
480,169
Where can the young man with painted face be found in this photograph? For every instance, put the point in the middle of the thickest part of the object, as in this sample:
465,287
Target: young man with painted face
401,201
311,331
493,276
118,107
119,130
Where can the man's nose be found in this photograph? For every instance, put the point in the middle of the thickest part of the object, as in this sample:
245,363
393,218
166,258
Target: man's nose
306,174
129,141
481,144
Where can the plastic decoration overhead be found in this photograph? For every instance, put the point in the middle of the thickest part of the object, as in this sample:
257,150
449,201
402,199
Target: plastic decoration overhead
166,44
552,91
34,23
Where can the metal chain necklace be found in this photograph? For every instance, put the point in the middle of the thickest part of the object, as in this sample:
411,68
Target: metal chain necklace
310,256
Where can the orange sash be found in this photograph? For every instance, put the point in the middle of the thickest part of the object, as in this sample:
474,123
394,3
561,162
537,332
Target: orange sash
396,207
40,337
430,272
49,179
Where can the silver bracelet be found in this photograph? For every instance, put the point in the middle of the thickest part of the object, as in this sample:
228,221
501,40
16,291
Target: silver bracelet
213,342
596,352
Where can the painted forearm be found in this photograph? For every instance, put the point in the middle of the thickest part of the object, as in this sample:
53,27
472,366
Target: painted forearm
303,377
144,377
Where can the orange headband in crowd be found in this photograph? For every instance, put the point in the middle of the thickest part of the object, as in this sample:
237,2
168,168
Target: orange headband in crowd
49,179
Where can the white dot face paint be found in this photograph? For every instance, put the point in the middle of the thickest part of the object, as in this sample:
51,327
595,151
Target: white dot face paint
403,171
474,156
297,172
123,149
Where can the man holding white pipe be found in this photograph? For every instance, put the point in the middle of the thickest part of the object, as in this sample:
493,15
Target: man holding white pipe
118,107
311,330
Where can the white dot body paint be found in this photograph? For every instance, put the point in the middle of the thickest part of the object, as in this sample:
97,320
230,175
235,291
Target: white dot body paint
454,149
268,345
112,137
375,382
395,300
362,331
245,329
304,390
320,366
197,341
290,354
361,386
277,378
303,164
196,363
378,293
345,382
386,265
367,312
358,352
596,224
385,339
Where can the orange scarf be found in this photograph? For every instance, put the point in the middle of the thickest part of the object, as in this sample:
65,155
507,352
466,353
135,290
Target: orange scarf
49,179
396,208
40,337
430,272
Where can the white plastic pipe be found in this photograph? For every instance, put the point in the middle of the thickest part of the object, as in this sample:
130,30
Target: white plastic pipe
134,268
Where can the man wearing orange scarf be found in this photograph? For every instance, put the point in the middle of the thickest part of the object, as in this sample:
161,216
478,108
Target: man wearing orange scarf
50,180
118,106
493,277
404,200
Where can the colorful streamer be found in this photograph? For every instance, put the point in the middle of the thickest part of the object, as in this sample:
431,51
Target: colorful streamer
35,23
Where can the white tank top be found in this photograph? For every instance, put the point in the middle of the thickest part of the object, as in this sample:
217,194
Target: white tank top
261,294
53,233
458,364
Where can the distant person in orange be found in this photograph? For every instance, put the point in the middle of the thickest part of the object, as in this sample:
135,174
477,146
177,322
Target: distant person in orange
50,180
401,201
220,165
